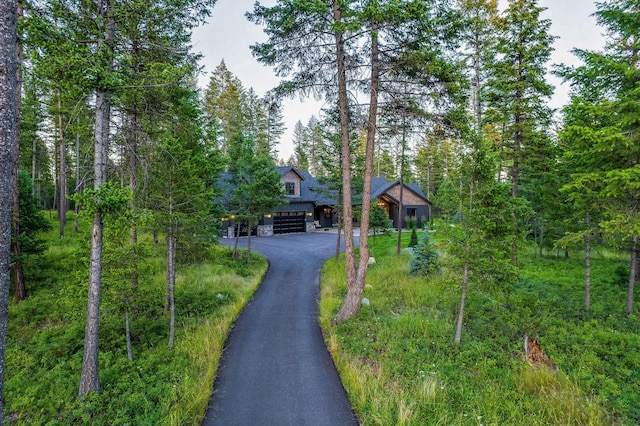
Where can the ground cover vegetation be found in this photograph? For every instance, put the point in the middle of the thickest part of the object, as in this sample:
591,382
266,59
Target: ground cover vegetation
400,365
158,385
449,94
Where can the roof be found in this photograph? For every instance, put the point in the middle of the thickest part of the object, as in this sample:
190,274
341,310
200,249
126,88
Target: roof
283,170
313,191
380,185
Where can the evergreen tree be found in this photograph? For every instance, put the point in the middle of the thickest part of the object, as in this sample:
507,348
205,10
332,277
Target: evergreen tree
300,147
274,125
315,145
258,189
516,88
479,36
601,130
8,122
32,223
224,104
181,189
425,259
482,239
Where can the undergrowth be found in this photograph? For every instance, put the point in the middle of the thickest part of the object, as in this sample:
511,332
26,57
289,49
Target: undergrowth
160,386
400,366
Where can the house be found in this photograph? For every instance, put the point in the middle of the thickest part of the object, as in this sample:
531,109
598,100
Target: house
312,205
414,203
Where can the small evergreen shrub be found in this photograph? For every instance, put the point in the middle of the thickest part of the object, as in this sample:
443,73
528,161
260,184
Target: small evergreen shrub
426,259
414,238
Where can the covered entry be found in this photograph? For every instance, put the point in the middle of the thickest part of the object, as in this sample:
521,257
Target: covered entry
286,222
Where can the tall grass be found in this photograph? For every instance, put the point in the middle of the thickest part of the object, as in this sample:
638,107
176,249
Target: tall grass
399,364
161,386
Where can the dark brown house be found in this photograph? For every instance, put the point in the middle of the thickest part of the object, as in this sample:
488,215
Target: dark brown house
312,205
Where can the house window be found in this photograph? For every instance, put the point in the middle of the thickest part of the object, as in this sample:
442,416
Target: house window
290,188
411,212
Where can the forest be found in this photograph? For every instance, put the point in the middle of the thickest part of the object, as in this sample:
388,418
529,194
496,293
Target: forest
102,123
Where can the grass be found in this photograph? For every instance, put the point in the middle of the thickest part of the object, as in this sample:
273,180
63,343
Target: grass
161,386
400,366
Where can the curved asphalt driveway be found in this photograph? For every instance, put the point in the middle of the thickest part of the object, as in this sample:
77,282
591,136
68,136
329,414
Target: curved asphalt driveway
275,368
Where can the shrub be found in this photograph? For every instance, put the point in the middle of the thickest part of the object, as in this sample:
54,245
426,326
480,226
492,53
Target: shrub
414,238
426,259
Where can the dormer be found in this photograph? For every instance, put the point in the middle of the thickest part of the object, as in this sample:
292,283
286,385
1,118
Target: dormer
291,180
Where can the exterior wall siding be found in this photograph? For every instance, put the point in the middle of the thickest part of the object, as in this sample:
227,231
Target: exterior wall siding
292,177
408,197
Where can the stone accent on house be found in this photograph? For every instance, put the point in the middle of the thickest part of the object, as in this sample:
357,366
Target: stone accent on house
265,230
311,227
231,232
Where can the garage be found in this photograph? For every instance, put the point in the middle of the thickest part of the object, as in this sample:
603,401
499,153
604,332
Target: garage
287,222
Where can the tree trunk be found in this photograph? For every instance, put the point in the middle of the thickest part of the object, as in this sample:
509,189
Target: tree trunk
248,241
8,119
89,379
477,105
167,281
541,236
20,291
632,274
128,335
34,179
400,201
76,209
400,208
236,253
463,300
338,238
62,200
363,263
171,283
587,267
348,307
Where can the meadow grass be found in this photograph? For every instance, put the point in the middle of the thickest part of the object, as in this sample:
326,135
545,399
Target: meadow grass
161,386
400,366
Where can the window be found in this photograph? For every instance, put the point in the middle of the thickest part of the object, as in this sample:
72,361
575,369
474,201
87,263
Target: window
411,212
290,188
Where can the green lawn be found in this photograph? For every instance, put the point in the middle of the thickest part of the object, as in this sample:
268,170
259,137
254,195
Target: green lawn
160,386
400,366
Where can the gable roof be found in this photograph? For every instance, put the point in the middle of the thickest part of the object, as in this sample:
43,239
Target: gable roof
380,185
283,170
313,191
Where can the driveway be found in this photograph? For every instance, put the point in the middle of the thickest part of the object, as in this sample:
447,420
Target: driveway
275,368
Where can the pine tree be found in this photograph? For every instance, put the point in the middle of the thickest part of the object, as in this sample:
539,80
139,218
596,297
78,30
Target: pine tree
601,130
224,104
8,122
300,147
516,88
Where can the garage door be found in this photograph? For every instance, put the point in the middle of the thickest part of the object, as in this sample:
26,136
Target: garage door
286,222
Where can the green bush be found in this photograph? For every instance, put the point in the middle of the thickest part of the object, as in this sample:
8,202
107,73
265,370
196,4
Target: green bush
414,238
426,259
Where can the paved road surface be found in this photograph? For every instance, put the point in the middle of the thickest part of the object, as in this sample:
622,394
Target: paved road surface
275,369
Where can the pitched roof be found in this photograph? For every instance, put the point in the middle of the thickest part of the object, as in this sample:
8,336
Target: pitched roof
380,185
283,170
313,191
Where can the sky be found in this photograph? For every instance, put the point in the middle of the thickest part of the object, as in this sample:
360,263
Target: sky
228,34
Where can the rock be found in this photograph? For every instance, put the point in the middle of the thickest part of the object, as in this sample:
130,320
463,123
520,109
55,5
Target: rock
372,260
365,301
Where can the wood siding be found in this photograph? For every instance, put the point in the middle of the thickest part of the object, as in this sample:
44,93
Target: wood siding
292,177
409,198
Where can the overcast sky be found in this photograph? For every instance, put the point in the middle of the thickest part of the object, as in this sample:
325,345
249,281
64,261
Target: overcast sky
228,35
